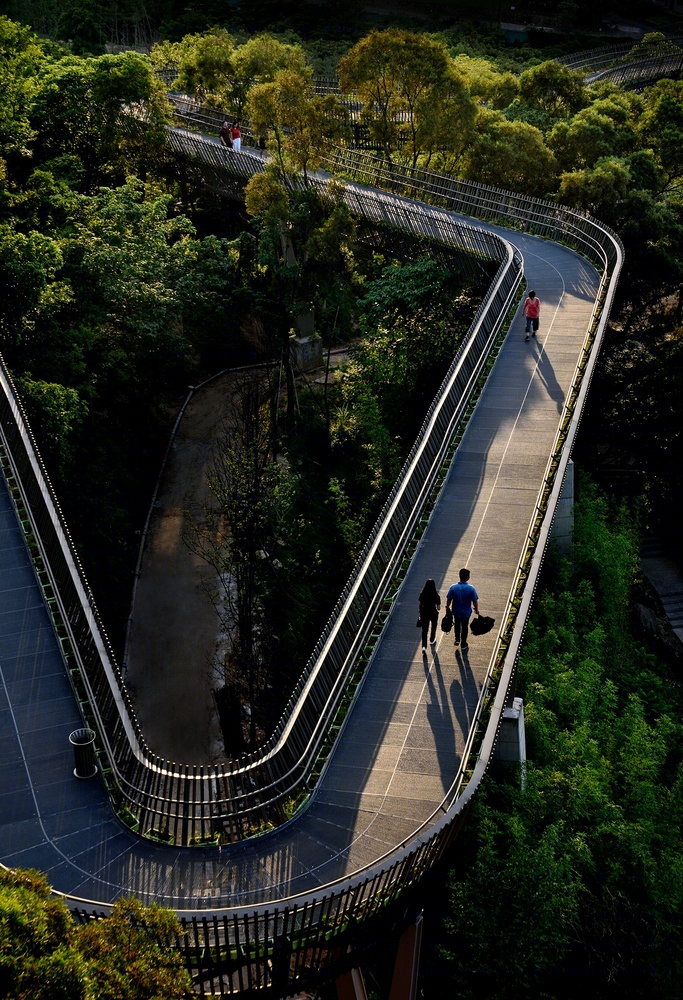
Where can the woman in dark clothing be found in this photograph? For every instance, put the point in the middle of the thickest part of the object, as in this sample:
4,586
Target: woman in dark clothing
225,135
429,604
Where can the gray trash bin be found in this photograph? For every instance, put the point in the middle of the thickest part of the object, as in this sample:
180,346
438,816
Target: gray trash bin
83,742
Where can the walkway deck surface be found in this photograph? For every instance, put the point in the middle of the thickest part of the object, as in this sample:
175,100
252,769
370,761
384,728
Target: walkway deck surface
400,749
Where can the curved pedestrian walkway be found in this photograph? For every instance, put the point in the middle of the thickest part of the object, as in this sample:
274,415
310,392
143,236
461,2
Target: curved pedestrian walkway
400,748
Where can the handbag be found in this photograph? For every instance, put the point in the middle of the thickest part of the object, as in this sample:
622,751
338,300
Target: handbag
447,621
481,625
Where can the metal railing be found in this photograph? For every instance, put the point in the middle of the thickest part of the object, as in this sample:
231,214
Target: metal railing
177,802
641,71
287,943
598,58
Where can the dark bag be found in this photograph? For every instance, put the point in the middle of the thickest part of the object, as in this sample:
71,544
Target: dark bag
481,625
419,623
447,621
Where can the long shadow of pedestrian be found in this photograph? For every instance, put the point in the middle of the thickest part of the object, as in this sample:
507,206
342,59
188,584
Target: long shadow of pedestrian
440,719
464,693
549,380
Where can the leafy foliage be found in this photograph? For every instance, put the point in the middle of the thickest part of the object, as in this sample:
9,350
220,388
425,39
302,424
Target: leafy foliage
410,91
509,153
132,954
300,125
578,870
20,55
45,956
83,107
38,953
554,88
217,71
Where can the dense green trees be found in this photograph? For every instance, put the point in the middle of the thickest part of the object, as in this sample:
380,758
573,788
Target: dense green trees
299,125
111,300
45,956
605,128
553,88
509,154
578,873
217,70
407,86
20,55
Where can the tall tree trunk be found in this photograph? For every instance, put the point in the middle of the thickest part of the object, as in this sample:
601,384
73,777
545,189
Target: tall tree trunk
327,377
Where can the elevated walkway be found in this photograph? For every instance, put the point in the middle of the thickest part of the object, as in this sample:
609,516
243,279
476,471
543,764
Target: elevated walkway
400,750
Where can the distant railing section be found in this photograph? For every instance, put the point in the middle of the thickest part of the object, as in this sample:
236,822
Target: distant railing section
204,118
633,74
598,64
323,85
167,74
198,116
598,58
493,205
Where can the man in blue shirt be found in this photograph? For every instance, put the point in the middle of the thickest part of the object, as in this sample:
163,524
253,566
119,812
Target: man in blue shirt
464,598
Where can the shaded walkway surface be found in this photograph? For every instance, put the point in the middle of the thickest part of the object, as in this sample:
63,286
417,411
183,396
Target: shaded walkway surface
400,748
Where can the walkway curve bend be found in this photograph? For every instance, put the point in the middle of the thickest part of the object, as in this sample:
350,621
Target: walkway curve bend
422,729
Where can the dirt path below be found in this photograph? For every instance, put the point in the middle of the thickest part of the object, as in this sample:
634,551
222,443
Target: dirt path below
174,633
171,650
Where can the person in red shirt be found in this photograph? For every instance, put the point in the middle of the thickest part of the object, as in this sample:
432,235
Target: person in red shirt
532,311
236,136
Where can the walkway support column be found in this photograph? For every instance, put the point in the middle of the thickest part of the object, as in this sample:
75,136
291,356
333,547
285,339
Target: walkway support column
563,525
511,745
404,980
351,986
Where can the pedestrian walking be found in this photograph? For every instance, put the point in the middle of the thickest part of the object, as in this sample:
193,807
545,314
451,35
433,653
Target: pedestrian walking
225,135
429,604
464,597
532,311
236,136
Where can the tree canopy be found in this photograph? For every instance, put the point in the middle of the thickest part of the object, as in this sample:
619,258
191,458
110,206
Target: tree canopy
411,92
44,955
